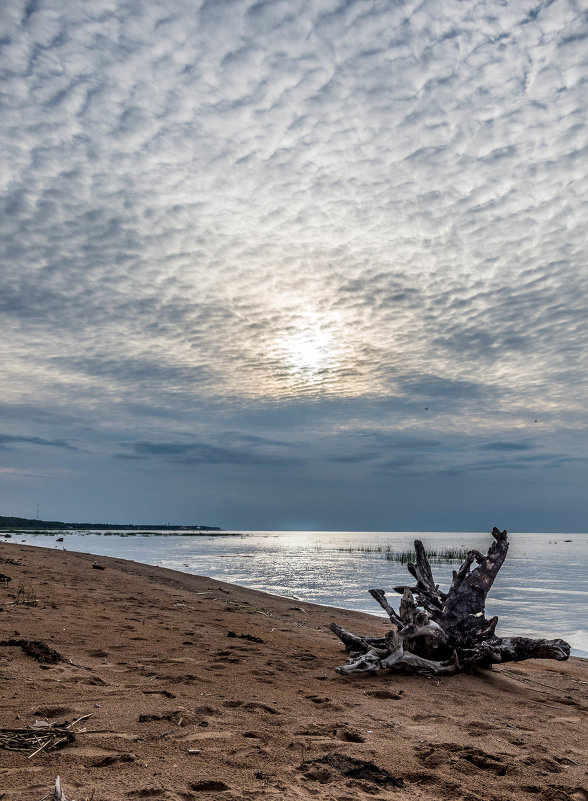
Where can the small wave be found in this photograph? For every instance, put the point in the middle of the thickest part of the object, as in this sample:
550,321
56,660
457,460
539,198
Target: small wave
579,641
549,590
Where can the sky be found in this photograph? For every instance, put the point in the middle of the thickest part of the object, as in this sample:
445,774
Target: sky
302,264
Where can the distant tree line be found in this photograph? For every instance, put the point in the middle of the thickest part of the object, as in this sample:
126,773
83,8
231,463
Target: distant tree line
27,523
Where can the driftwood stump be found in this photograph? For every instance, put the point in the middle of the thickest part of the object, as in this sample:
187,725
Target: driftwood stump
441,633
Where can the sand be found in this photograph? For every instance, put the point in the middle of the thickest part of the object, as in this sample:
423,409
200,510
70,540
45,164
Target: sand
182,711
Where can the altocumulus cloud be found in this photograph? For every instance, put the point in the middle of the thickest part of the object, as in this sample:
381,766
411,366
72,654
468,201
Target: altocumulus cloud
216,216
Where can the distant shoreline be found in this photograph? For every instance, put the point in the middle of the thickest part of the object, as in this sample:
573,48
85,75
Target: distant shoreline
25,524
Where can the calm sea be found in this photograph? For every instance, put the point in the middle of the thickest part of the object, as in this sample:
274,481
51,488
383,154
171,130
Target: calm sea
541,590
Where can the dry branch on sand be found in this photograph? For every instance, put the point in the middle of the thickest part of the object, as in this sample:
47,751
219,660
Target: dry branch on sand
57,794
41,736
443,633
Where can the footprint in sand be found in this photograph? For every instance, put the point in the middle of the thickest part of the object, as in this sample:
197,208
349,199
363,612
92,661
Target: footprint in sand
349,736
330,733
257,707
579,795
318,699
386,694
428,718
559,793
542,763
51,711
324,702
113,759
209,786
434,755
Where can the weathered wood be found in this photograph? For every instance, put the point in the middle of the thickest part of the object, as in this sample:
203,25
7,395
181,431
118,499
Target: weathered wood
354,643
441,633
516,649
58,794
467,595
426,589
380,597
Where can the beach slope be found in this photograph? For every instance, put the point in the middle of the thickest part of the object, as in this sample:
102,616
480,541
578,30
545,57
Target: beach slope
196,689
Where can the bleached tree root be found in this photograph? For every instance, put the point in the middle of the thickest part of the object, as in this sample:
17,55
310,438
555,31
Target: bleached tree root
437,633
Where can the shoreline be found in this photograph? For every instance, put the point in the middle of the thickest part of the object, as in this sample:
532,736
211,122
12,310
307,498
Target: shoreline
526,609
181,710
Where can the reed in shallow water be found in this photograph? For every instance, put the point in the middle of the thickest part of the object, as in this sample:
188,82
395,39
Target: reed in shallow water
435,556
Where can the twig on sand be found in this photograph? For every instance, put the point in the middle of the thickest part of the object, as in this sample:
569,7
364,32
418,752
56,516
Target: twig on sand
57,794
39,737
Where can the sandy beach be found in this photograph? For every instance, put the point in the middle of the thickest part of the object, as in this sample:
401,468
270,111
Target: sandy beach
188,688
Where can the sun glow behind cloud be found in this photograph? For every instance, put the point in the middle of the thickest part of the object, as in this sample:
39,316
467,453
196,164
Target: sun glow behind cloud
306,361
308,351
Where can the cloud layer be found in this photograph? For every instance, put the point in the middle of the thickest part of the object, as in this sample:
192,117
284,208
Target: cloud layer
217,216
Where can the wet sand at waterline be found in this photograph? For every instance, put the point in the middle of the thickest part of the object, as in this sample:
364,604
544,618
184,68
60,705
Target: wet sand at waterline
179,710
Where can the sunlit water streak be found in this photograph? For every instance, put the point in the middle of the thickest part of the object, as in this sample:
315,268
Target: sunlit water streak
541,590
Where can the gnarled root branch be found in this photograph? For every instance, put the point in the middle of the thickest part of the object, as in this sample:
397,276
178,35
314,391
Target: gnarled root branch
440,633
391,654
